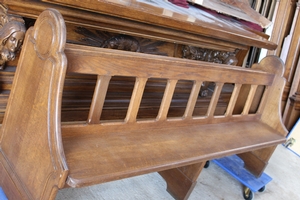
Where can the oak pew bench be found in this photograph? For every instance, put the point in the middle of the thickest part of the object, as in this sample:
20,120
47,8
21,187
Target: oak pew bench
40,154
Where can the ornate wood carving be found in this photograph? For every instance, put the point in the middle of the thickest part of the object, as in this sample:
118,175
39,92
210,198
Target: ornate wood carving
12,32
209,55
122,42
119,41
128,43
3,15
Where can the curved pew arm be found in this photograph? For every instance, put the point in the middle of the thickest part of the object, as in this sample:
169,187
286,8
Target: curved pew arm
32,155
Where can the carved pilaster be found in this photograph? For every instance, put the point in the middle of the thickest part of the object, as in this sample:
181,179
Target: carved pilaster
12,32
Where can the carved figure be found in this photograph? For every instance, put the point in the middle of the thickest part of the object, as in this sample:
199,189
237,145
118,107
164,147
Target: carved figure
3,15
122,42
11,39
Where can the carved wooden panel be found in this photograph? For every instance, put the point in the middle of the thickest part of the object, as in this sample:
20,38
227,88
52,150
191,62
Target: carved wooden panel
209,55
110,40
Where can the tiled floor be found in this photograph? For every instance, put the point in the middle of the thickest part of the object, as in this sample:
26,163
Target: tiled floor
213,183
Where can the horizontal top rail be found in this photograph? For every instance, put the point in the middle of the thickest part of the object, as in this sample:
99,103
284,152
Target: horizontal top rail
93,60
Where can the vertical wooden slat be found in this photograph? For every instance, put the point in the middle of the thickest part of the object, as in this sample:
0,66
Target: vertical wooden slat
136,98
233,99
98,99
214,99
249,99
263,100
192,99
166,101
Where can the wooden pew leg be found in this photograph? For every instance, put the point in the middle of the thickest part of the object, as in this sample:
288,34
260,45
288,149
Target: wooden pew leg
181,181
257,161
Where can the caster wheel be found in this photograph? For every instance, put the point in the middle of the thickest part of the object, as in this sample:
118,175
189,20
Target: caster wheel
248,194
262,189
207,164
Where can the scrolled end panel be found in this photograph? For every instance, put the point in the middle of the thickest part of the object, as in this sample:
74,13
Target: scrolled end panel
31,133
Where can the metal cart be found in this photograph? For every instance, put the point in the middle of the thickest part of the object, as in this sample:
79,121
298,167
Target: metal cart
235,167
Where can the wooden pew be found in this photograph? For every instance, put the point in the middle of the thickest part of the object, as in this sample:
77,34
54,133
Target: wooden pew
40,154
